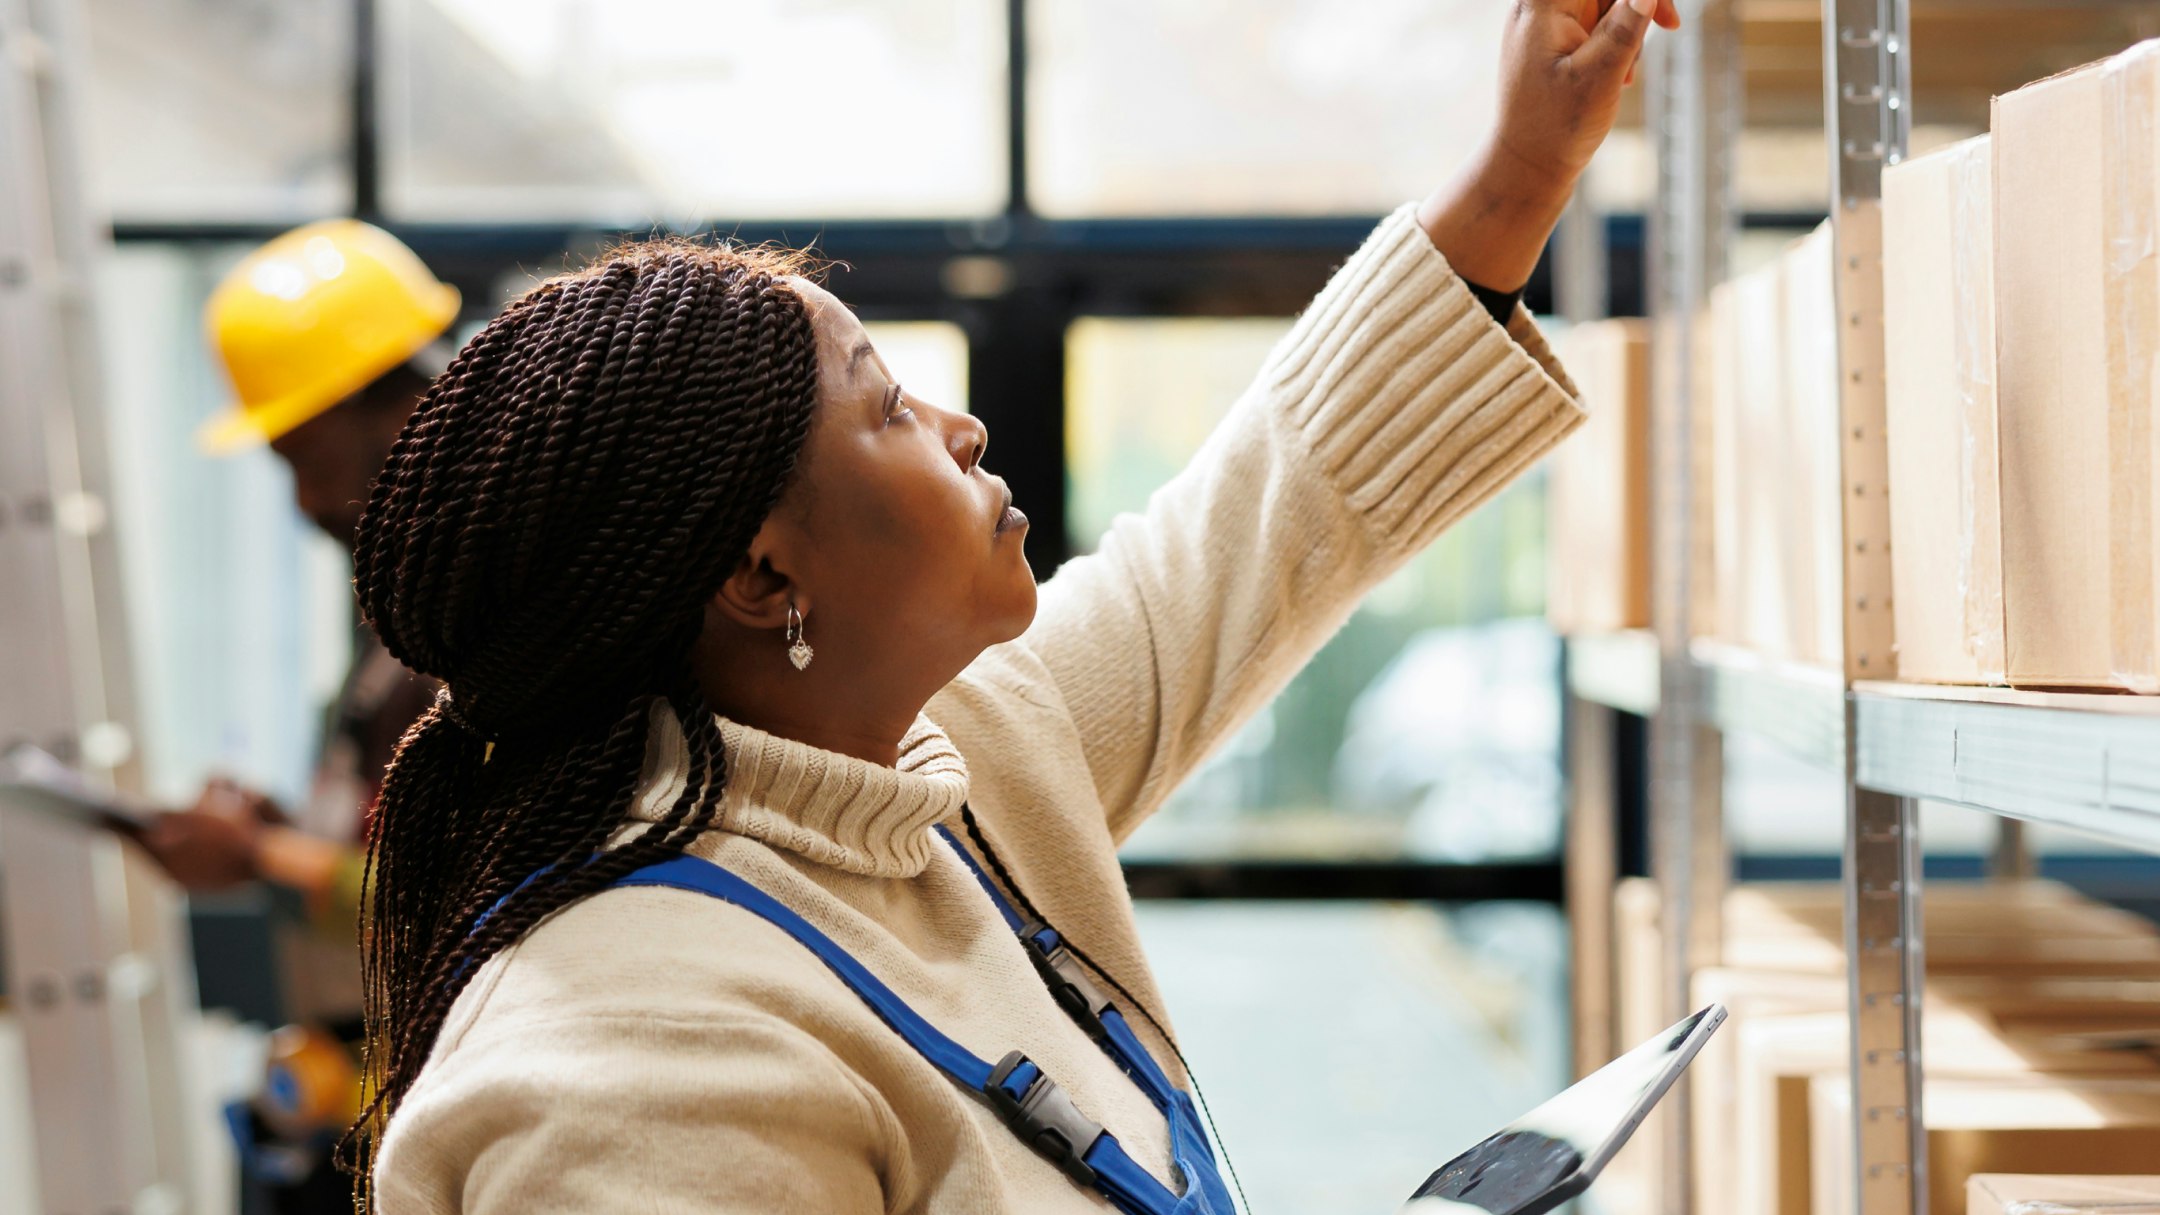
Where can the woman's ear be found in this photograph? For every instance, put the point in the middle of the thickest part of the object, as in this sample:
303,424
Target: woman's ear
758,593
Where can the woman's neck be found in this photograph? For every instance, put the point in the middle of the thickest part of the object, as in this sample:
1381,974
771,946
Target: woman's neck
855,701
851,712
873,740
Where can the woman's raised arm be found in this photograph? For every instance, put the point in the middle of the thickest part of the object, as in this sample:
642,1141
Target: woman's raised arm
1395,406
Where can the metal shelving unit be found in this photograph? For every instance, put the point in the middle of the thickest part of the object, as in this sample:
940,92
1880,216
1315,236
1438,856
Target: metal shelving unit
2087,762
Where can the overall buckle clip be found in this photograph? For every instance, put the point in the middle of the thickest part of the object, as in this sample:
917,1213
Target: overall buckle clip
1067,980
1045,1118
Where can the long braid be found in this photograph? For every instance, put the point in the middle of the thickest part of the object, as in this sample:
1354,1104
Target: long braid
588,471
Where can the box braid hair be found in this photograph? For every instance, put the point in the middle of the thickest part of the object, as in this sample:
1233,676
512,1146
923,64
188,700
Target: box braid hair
568,494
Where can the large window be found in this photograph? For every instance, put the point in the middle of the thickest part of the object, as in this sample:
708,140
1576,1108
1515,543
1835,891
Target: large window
1427,727
680,111
929,357
1245,106
220,111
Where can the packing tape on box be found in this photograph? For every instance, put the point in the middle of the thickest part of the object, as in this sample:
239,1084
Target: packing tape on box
1972,285
2131,274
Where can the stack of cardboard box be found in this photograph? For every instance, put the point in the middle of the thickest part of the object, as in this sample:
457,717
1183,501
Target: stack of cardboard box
1599,579
2033,993
2022,313
1599,489
1773,418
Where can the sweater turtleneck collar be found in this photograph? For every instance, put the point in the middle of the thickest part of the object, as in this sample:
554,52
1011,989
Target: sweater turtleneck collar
833,809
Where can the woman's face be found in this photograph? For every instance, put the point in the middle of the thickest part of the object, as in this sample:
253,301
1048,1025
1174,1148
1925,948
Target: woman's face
904,546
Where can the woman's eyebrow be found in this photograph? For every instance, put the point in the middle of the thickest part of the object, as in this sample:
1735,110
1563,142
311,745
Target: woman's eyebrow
855,357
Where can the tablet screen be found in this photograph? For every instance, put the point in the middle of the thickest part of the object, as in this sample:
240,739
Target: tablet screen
1553,1150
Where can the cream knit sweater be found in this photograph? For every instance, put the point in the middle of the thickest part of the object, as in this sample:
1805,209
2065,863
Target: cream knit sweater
659,1051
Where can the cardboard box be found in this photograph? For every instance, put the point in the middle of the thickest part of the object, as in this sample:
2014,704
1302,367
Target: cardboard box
1777,526
1939,373
2052,961
1702,436
2051,1194
1715,1078
1753,435
1750,1081
2060,593
1728,454
2026,907
1599,487
1638,1171
1812,515
1780,1056
2068,1124
2130,225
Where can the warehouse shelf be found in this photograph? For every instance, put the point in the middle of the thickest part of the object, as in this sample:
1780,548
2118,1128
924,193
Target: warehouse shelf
1617,670
2087,762
1799,709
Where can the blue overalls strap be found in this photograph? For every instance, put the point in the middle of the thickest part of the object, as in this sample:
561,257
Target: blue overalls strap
1030,1102
1070,985
1069,982
997,897
1072,989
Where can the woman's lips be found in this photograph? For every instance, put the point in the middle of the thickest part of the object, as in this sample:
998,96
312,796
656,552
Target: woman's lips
1010,517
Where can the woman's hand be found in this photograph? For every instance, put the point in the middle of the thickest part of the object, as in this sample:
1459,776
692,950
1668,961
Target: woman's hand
1562,66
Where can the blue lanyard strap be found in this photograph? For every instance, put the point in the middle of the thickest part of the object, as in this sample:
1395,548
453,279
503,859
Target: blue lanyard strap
1070,984
1061,972
1030,1102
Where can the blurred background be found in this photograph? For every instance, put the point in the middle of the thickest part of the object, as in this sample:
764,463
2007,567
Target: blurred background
1086,223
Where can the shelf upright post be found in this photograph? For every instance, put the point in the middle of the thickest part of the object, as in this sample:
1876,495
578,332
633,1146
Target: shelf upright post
1592,871
1691,110
1592,763
2011,859
1579,281
1867,86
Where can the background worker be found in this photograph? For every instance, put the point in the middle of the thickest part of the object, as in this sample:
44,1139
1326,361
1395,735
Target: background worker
329,334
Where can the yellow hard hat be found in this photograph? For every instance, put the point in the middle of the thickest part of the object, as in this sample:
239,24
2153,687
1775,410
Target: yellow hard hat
313,317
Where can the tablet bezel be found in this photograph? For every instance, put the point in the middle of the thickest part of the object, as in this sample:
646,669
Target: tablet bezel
1707,1020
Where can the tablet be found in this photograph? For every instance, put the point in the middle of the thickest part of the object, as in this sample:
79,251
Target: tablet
1555,1151
31,777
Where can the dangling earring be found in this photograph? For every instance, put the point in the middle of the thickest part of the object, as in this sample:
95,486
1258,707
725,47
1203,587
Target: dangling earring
798,650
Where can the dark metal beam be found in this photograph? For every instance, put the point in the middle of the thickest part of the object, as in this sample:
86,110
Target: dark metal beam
1379,881
1017,203
366,136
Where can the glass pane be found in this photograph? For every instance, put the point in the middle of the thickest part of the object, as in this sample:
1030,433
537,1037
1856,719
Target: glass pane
220,109
1429,726
240,613
1244,106
1347,1050
682,111
929,358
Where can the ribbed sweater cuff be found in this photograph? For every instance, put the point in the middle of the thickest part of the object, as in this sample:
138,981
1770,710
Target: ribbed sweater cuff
1414,401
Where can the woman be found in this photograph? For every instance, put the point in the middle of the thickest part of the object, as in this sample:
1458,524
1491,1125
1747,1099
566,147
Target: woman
703,582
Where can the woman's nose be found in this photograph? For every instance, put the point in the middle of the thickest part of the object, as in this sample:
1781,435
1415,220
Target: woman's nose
967,439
